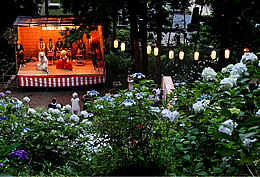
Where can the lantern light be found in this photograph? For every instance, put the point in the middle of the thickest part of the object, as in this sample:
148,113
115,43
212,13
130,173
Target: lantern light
123,46
149,49
181,55
115,44
156,51
246,50
213,54
227,53
171,54
196,55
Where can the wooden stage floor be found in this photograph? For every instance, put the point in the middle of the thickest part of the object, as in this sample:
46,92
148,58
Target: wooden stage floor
86,69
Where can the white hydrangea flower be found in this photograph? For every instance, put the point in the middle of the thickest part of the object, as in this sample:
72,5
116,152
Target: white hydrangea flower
68,107
238,70
58,106
55,111
139,96
258,113
128,94
248,141
86,121
228,129
26,99
155,109
129,102
228,83
50,110
248,58
200,106
84,113
172,116
208,74
99,106
45,113
259,63
60,119
31,111
224,70
74,117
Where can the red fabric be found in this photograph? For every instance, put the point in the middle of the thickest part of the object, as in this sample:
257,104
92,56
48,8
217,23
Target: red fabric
64,64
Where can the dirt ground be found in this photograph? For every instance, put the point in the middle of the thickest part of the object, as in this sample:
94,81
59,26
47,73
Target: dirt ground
41,97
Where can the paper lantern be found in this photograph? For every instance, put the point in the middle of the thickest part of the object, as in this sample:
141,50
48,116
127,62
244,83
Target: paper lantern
213,54
156,51
196,55
123,46
181,55
149,49
227,53
115,44
171,54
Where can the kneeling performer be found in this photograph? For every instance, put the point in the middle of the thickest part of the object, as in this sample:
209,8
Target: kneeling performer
43,63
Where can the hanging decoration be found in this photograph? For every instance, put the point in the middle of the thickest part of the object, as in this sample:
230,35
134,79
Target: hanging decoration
122,46
227,53
156,51
196,55
181,55
213,54
149,49
171,54
115,44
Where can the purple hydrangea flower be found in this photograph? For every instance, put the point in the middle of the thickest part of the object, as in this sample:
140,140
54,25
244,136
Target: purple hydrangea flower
21,154
3,118
2,94
2,164
8,92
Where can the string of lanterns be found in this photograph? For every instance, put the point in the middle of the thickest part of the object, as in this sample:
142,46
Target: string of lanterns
171,52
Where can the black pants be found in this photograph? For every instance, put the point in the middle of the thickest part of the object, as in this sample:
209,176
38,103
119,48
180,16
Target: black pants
20,59
94,61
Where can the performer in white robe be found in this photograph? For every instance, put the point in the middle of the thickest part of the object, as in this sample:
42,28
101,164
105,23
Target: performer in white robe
43,63
75,104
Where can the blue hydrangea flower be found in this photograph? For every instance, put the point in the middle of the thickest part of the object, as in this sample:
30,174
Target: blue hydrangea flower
129,102
2,94
3,118
20,154
138,75
92,93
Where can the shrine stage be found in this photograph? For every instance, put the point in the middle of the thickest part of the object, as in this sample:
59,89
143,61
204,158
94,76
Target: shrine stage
29,76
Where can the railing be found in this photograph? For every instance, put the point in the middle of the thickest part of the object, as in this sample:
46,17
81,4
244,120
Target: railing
5,74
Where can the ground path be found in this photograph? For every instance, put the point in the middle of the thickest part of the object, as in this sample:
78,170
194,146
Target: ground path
40,97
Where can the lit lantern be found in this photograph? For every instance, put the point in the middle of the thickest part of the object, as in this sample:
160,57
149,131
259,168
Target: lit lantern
196,55
181,55
115,43
213,54
149,49
246,50
227,53
123,46
156,51
171,54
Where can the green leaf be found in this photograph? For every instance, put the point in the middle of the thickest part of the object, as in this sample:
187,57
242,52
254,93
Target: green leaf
250,121
225,112
217,170
195,131
246,160
246,136
227,152
255,146
186,157
244,80
202,173
225,136
140,157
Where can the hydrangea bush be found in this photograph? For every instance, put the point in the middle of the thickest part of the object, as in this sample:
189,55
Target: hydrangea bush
219,134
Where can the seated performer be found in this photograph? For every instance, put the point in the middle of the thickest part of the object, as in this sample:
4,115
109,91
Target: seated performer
81,48
64,62
68,48
59,46
43,65
41,46
50,47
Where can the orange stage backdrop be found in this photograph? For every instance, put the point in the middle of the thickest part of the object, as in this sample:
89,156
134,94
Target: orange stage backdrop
30,36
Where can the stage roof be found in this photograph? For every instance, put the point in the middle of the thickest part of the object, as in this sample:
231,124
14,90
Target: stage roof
41,21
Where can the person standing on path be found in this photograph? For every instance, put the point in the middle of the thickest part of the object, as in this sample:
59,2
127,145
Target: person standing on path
94,58
75,104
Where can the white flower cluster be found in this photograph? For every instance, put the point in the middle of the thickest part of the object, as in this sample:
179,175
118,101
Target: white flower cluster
99,106
200,106
58,106
128,94
227,127
84,113
74,117
208,74
92,93
129,102
228,83
26,99
68,107
172,116
238,70
258,113
248,58
60,119
31,111
248,141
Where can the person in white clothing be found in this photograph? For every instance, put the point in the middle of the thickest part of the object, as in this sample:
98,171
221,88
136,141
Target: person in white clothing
157,92
43,63
75,104
130,82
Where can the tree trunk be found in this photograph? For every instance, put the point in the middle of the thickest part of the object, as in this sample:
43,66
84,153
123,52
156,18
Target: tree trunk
143,31
47,8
